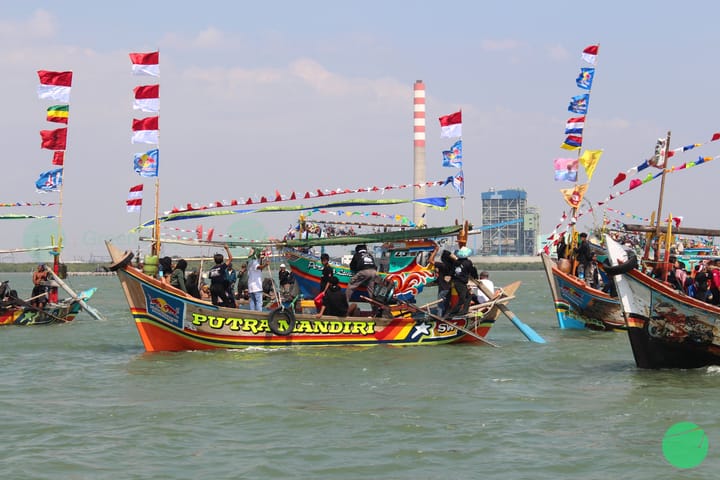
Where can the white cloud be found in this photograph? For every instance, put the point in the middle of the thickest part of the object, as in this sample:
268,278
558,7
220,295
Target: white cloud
39,26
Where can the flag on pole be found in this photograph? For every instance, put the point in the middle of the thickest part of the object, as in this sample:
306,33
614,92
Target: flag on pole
147,98
458,182
579,103
147,164
453,157
451,125
589,160
49,181
54,139
573,196
146,63
585,78
58,113
55,85
566,169
575,125
134,201
590,54
572,142
58,158
146,130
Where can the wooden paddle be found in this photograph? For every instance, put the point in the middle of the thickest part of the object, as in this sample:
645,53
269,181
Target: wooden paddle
529,333
414,308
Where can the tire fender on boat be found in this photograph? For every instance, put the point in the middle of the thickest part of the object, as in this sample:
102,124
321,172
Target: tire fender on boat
274,321
631,263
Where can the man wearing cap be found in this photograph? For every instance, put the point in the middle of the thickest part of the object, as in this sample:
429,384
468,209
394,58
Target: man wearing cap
286,279
364,272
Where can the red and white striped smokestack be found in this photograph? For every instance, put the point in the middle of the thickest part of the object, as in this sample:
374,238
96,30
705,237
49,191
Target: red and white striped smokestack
419,150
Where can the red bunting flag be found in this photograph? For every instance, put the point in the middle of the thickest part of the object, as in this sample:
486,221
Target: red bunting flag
54,139
58,158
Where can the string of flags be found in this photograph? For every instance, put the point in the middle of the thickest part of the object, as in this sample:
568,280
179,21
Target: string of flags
54,86
27,204
439,203
566,169
146,99
554,237
622,176
451,126
318,193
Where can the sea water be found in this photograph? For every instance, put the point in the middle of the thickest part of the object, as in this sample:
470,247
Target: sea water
84,401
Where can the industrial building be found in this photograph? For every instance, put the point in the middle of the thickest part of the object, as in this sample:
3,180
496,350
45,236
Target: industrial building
509,225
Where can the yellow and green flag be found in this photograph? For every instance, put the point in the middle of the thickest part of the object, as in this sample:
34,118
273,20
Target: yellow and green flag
58,113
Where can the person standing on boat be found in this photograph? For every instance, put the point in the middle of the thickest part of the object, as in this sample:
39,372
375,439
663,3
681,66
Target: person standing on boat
219,282
583,257
39,289
231,275
443,277
464,270
334,302
327,271
177,278
255,279
242,282
364,270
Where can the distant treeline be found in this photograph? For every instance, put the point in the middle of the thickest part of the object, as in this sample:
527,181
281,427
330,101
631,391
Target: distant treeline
71,267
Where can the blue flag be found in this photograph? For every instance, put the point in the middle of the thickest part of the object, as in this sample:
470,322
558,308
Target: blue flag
453,157
579,103
458,182
147,164
49,181
585,78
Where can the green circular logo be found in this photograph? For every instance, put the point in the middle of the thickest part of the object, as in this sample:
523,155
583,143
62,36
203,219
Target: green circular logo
685,445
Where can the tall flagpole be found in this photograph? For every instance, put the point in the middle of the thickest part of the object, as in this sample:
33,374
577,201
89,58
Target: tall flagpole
573,239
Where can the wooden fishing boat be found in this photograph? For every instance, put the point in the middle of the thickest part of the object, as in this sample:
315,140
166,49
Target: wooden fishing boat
167,319
579,306
666,328
15,311
405,258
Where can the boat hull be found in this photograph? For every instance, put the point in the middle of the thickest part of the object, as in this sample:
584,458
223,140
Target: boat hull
578,306
63,312
169,320
667,329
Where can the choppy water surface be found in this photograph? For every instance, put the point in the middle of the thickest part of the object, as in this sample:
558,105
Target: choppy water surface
83,401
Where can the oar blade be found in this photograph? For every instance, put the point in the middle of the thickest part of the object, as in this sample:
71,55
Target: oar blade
525,329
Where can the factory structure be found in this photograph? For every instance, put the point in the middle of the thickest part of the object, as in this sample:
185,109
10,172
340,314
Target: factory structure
509,226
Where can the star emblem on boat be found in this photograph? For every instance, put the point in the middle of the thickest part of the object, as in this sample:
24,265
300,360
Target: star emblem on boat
421,328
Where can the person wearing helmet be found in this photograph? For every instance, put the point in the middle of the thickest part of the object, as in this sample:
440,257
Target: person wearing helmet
462,272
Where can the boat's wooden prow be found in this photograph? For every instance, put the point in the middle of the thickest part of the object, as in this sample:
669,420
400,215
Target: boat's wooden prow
119,259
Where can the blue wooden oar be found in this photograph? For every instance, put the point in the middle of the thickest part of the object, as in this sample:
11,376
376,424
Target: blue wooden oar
526,330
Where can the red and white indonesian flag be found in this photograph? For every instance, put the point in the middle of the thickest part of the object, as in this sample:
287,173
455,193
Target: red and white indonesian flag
147,98
146,130
134,201
451,125
55,85
146,63
590,54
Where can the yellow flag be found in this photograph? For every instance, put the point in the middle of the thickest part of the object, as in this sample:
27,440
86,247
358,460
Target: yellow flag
589,160
573,196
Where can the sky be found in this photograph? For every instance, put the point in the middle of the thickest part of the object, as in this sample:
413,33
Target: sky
259,97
